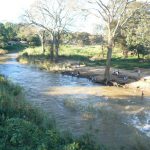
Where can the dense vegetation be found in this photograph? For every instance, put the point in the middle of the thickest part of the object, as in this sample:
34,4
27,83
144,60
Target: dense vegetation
23,127
12,34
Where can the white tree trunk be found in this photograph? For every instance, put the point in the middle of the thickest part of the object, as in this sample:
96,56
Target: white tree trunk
107,75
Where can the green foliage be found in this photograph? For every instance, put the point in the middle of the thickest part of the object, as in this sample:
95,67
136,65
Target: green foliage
78,51
19,132
29,34
137,32
82,38
3,37
32,51
139,49
16,32
11,31
33,40
15,48
72,146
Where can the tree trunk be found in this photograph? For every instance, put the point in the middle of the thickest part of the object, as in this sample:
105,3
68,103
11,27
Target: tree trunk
103,51
138,55
57,43
52,51
107,76
57,48
57,52
43,41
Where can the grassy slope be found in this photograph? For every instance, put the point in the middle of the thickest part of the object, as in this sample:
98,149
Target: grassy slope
23,127
85,55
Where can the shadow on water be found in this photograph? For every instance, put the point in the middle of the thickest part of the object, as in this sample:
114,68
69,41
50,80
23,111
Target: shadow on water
113,116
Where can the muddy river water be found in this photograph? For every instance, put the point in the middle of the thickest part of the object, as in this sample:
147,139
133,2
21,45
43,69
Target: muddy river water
115,117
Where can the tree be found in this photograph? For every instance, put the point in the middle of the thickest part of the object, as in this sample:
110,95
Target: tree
52,16
3,37
82,38
11,31
29,33
115,14
137,32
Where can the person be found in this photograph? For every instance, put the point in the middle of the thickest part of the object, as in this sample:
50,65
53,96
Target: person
142,96
116,72
78,74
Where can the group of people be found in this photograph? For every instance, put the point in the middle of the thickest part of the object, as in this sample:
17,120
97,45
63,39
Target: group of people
118,73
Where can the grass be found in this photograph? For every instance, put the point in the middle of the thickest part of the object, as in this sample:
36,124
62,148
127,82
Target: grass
88,52
88,55
23,127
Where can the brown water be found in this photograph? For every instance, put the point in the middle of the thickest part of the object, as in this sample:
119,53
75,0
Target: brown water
113,116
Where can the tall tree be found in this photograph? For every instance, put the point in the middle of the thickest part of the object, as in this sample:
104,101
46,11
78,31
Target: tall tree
137,32
52,16
115,14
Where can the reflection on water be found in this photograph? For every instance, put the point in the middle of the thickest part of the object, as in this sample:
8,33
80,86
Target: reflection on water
114,116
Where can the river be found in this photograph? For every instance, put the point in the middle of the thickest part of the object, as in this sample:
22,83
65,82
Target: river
115,117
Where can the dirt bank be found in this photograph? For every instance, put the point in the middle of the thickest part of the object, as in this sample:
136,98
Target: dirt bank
137,78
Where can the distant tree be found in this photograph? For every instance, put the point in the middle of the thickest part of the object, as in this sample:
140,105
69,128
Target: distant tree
68,38
25,31
30,34
11,31
82,38
34,40
3,35
95,39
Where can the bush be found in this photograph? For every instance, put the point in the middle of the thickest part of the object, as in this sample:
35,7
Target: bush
21,133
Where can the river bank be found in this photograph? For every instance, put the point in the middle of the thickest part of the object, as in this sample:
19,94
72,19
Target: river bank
137,78
23,126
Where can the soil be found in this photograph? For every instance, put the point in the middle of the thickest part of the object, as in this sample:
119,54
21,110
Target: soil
137,78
